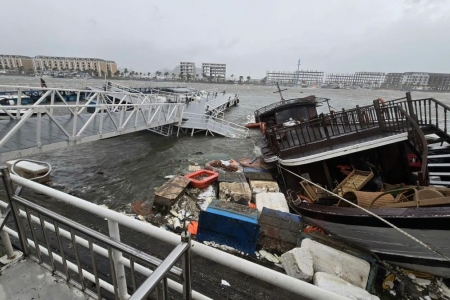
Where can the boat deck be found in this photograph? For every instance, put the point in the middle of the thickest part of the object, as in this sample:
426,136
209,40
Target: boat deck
28,280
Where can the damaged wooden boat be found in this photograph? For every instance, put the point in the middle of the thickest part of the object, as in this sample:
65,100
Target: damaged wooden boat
388,139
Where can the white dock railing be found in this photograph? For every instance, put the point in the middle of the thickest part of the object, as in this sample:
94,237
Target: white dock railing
214,124
119,262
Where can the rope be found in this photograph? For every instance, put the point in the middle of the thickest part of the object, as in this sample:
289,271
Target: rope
372,214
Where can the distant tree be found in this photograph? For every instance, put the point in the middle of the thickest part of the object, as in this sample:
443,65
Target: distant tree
121,74
188,76
203,75
140,74
196,76
241,78
166,74
158,73
264,80
6,67
21,68
109,73
173,76
38,68
232,77
148,74
125,71
248,78
180,76
117,73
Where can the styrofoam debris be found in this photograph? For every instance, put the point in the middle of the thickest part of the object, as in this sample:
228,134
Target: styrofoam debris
393,292
341,287
174,213
427,298
390,284
225,283
411,276
169,176
269,256
443,288
140,217
298,263
226,163
208,192
343,265
422,282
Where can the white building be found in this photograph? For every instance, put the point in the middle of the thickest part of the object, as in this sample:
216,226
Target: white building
187,68
415,78
214,71
74,64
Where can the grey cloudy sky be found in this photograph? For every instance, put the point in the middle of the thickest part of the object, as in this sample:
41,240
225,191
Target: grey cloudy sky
250,36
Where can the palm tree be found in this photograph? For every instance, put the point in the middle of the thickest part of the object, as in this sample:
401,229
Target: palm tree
180,76
125,71
188,76
166,74
140,74
158,73
196,76
248,78
241,78
148,74
173,76
232,77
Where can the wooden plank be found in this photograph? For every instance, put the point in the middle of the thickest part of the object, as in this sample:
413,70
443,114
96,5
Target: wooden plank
171,191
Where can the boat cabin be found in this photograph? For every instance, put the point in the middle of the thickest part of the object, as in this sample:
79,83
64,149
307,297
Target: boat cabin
292,111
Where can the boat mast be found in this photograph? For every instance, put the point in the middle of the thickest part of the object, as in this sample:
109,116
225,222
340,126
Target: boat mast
279,91
298,72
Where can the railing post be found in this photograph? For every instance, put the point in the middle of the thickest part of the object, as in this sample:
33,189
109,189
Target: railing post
186,263
19,102
7,244
114,233
324,125
15,211
411,111
380,115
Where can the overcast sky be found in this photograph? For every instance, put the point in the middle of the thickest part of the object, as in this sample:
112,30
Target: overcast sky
250,36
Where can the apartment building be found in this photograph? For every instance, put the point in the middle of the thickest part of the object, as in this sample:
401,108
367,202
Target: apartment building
393,80
372,79
415,79
340,78
187,68
215,71
55,63
301,77
16,62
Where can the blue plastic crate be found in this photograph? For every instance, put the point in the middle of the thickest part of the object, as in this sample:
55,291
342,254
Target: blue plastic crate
229,224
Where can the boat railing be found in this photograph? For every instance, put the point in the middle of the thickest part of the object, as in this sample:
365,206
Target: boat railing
325,127
425,111
396,119
80,254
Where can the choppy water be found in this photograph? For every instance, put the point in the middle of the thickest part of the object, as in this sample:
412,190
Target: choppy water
134,164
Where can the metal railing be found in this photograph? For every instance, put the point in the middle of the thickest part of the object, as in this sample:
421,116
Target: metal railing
114,219
214,124
64,259
108,118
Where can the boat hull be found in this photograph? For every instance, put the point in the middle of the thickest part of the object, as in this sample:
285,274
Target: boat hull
429,225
